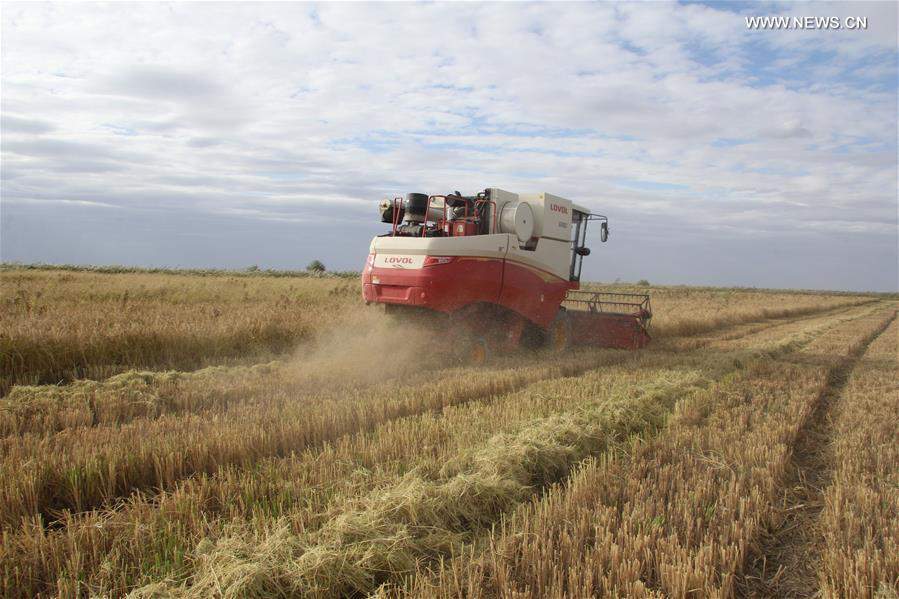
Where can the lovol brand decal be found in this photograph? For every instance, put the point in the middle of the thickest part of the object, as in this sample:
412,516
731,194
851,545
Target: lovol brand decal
398,261
557,208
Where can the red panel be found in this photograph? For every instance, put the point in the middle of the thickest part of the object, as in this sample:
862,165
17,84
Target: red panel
534,293
462,228
446,287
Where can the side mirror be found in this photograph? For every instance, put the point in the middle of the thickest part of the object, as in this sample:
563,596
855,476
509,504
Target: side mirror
583,251
604,232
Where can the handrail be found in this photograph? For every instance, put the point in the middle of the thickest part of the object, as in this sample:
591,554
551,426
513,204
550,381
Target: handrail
439,224
492,205
396,212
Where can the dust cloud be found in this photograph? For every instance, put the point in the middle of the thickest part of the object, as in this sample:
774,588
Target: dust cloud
368,347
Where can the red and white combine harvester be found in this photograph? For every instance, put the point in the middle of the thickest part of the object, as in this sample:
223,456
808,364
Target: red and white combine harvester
496,270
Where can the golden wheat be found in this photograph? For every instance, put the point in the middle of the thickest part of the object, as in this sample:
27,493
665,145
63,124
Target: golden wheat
82,469
146,529
328,450
61,326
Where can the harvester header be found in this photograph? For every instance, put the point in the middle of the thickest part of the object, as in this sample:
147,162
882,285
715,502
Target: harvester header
502,268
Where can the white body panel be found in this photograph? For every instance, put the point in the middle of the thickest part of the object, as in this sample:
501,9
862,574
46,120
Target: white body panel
550,255
487,246
552,215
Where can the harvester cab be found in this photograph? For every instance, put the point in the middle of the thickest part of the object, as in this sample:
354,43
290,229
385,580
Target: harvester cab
498,269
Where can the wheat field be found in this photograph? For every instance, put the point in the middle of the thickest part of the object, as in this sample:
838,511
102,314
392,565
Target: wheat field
194,434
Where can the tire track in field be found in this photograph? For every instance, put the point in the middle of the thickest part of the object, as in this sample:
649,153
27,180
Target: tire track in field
788,559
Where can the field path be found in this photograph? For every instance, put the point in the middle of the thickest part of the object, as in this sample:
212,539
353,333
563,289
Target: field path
789,559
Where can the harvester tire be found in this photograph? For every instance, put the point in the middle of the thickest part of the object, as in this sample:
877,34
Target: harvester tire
558,338
478,351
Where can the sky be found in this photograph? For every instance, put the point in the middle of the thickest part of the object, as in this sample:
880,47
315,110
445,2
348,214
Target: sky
231,135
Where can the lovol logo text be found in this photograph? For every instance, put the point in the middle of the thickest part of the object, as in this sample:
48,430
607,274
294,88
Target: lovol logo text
557,208
398,260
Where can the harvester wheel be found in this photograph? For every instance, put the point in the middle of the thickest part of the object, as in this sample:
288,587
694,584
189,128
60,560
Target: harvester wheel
559,335
478,351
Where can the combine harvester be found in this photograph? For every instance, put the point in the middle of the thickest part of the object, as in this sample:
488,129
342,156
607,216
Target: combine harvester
497,270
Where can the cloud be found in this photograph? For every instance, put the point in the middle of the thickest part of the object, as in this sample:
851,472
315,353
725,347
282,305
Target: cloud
160,83
203,142
665,115
789,129
12,124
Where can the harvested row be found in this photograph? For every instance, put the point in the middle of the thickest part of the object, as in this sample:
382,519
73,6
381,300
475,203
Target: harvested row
678,516
860,520
258,492
384,534
381,536
120,399
48,409
345,361
149,536
149,539
82,469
